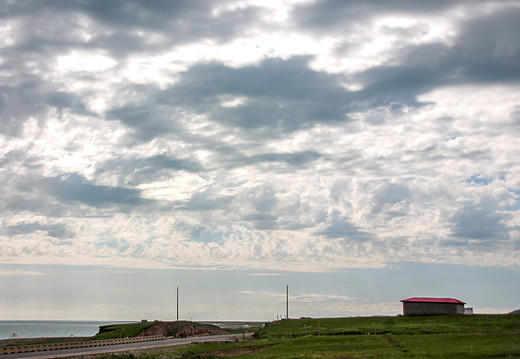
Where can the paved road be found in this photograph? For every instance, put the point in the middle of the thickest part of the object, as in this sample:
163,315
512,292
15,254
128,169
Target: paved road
64,353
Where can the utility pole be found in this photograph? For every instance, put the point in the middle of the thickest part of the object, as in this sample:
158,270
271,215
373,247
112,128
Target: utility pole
177,303
286,302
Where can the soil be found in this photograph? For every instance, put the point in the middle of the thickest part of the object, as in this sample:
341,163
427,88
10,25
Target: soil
182,329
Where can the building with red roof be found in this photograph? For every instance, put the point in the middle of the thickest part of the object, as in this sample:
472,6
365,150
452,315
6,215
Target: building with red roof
432,306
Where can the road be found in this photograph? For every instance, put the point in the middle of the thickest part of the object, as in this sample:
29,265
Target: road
64,353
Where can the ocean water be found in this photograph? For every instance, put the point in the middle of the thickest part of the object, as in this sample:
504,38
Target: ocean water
49,328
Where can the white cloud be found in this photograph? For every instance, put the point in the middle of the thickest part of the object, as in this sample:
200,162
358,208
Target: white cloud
316,305
265,274
295,136
78,62
20,273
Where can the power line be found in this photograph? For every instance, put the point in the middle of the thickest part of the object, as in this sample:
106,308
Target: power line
286,302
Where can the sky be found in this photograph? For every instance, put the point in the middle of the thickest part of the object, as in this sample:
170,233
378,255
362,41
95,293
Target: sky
358,152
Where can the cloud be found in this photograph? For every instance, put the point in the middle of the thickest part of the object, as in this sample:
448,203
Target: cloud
264,274
136,171
479,55
331,15
297,159
319,304
25,97
206,201
281,95
20,273
480,222
74,188
234,134
341,227
127,27
58,230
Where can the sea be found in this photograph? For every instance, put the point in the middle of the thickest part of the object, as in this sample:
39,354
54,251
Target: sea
50,328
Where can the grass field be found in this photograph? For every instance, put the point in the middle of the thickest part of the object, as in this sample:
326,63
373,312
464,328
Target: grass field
458,336
447,324
122,330
476,336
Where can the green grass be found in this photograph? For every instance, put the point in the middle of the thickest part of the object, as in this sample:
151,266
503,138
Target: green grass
436,337
447,324
396,346
122,330
434,346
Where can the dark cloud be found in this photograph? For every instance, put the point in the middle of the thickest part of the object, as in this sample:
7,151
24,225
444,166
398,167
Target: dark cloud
274,161
281,95
482,222
389,195
64,195
125,27
486,51
262,221
294,159
75,188
135,171
263,199
58,230
27,97
205,201
168,162
181,21
325,16
147,121
257,206
119,28
341,227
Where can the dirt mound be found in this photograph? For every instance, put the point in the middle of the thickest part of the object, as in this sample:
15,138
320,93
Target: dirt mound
182,329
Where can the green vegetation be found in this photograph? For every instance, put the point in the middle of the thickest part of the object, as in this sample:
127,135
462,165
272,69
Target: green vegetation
446,324
121,330
458,336
476,336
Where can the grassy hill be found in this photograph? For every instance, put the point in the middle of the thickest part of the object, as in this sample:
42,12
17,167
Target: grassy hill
458,336
446,324
115,331
167,329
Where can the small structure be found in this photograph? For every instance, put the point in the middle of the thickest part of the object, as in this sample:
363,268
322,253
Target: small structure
432,306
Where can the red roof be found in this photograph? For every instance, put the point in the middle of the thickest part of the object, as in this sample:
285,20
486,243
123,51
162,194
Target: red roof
433,300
